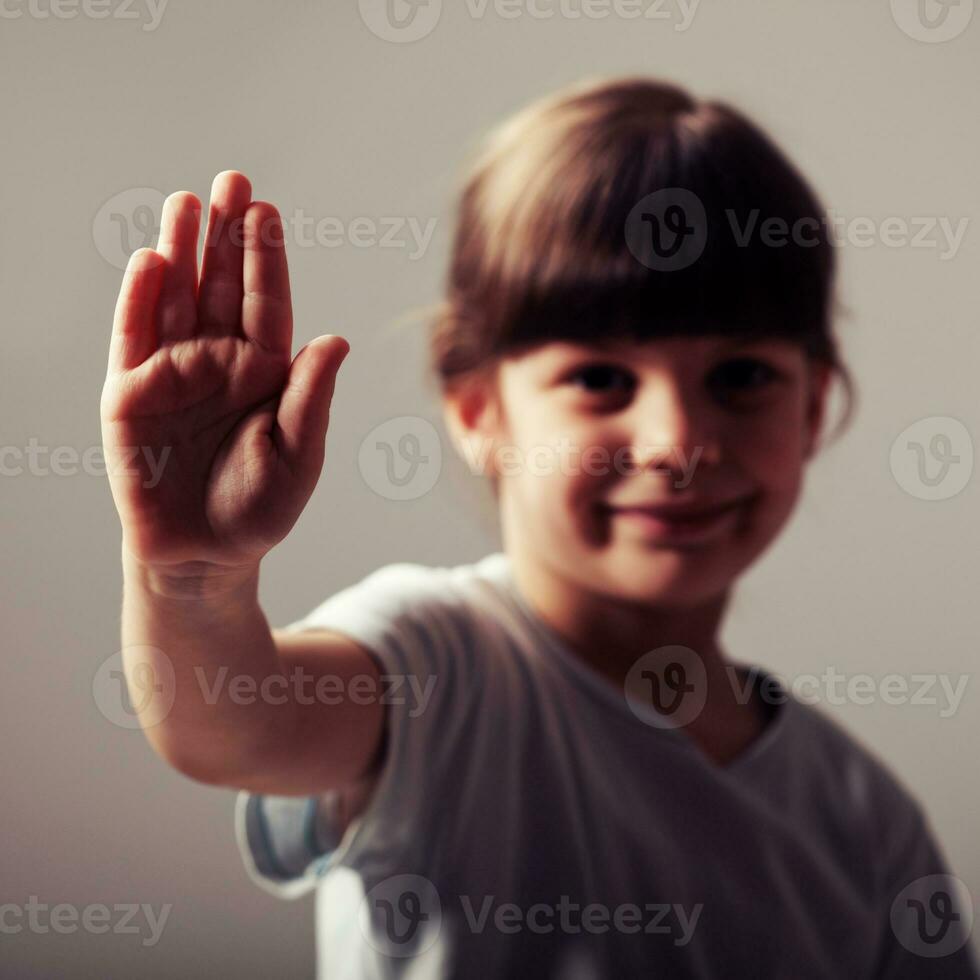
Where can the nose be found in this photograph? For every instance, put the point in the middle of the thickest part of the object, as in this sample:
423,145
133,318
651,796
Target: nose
671,430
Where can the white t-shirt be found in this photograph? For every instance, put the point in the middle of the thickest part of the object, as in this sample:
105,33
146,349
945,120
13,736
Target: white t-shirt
528,822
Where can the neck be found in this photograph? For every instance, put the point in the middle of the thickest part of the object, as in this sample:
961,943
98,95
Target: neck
611,634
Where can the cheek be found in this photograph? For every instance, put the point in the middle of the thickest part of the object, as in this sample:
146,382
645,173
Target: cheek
773,460
559,468
772,454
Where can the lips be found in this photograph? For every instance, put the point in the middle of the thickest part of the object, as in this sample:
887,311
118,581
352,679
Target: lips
678,526
689,513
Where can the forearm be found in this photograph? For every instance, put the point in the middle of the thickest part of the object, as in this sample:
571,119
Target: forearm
196,650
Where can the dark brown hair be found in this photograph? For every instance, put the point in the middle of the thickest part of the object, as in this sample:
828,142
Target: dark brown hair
542,248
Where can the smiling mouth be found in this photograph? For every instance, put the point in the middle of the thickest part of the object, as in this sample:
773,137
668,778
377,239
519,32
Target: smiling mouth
687,524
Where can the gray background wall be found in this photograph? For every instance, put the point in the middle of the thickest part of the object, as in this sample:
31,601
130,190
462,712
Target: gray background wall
330,120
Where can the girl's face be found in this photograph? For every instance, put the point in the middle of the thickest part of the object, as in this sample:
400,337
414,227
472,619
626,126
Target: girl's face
580,434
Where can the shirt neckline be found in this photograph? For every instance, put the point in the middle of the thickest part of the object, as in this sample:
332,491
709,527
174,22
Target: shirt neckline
597,686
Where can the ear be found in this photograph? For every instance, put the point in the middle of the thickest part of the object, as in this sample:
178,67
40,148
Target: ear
473,415
819,376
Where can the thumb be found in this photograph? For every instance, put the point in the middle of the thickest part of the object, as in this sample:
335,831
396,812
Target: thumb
304,408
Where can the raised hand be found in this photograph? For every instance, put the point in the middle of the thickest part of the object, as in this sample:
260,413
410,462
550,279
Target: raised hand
201,380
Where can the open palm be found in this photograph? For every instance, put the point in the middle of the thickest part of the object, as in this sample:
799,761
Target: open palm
213,433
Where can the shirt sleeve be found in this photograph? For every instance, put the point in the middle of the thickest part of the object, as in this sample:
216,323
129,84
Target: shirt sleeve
284,840
926,912
404,617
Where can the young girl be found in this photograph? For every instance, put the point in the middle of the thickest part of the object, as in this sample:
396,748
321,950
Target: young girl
542,764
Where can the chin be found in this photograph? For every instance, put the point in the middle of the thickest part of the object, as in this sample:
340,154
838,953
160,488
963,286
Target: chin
664,577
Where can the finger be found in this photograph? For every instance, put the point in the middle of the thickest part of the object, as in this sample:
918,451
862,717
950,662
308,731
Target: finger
304,409
133,333
267,317
179,228
219,302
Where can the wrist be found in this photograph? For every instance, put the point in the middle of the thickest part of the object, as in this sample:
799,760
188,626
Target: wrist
192,580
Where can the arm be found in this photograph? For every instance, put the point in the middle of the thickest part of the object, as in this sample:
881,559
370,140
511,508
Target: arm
220,657
201,378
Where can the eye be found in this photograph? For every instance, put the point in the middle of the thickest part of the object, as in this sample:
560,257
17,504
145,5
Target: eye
600,378
743,376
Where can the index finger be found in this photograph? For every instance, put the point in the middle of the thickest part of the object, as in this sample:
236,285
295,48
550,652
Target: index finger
134,336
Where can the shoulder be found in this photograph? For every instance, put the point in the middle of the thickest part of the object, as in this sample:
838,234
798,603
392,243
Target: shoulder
860,772
408,581
414,590
411,614
853,783
909,871
462,583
